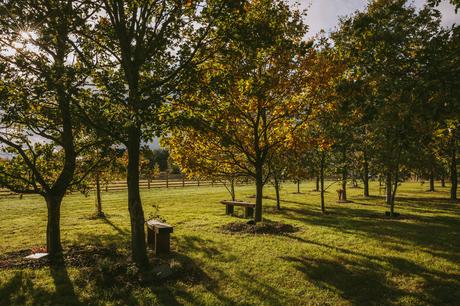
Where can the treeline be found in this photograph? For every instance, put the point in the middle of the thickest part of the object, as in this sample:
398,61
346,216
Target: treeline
378,98
233,87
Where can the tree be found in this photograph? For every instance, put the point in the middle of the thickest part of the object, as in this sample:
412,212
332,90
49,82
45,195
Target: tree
382,47
141,50
40,81
109,167
156,156
247,97
450,92
284,165
442,88
316,138
197,156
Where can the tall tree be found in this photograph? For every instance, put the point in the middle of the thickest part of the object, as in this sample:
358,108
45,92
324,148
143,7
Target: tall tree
141,50
247,98
318,135
40,82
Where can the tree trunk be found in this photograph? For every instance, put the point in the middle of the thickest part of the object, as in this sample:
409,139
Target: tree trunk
259,193
431,181
354,182
298,186
277,191
317,183
453,171
321,178
366,177
388,188
53,228
392,207
149,180
393,194
98,196
138,246
232,189
344,183
443,181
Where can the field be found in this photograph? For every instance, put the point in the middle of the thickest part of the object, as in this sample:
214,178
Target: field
351,256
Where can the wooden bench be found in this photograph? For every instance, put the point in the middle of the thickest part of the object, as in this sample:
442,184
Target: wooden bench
158,236
248,207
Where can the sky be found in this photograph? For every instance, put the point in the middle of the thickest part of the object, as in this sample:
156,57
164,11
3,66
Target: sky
324,14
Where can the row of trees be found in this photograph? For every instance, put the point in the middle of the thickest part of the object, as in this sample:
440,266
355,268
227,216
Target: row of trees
233,84
378,98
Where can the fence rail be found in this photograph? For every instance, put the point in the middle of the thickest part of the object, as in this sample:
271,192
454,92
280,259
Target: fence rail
143,184
170,183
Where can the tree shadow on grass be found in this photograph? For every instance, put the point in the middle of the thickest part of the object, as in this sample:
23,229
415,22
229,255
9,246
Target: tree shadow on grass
118,229
353,281
197,244
429,204
418,204
109,279
21,289
14,291
190,273
65,292
285,201
437,235
366,279
267,293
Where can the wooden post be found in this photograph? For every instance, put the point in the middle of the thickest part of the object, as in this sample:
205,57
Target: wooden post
167,180
198,182
183,180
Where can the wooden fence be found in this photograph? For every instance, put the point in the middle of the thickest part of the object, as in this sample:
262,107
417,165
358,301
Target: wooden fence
174,181
160,183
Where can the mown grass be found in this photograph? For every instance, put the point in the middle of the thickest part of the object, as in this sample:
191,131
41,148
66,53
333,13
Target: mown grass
352,255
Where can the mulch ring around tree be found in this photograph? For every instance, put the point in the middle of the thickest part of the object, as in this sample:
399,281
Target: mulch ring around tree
112,267
75,256
265,227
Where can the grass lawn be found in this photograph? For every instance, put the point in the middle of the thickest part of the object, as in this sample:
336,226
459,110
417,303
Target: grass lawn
352,255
